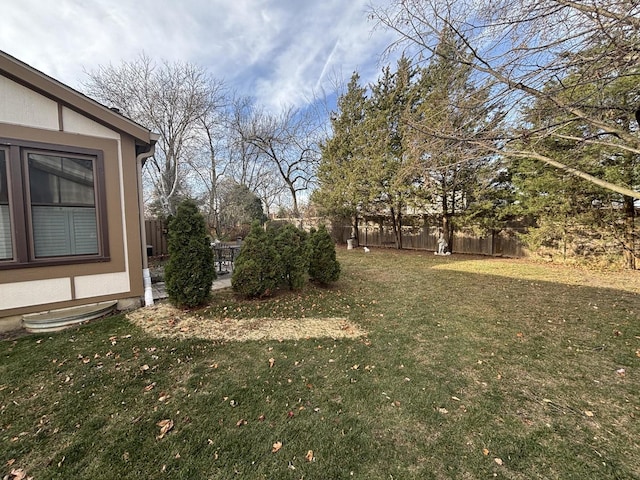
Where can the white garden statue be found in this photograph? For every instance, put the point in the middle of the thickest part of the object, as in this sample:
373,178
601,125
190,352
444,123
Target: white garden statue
442,246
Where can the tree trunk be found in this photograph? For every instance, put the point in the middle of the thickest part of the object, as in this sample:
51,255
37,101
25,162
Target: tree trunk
396,235
629,234
447,231
447,227
399,234
354,230
294,198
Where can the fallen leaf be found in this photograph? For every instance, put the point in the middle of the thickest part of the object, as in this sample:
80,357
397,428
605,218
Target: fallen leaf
621,372
165,426
149,387
588,413
241,422
272,362
261,418
485,451
144,367
638,353
443,411
455,398
309,456
276,446
11,462
498,460
18,474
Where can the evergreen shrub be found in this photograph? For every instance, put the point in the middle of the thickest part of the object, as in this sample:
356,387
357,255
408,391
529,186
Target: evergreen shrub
292,247
190,270
323,265
256,271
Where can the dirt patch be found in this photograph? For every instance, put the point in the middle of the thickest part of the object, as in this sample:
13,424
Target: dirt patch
164,320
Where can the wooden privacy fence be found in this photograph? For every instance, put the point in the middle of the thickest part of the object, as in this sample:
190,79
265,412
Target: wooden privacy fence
498,242
156,232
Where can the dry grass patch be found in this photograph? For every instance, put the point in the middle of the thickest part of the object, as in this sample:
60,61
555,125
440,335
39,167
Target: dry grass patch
165,320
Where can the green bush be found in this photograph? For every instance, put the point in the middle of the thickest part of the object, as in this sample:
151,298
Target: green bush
256,271
323,265
190,270
292,247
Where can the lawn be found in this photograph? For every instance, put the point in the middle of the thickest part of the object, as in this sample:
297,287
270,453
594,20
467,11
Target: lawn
468,368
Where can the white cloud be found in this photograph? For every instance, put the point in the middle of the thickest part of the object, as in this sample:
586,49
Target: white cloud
279,51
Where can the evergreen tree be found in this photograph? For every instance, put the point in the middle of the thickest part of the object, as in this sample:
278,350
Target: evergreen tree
392,179
323,265
342,173
239,206
190,270
256,271
571,212
459,178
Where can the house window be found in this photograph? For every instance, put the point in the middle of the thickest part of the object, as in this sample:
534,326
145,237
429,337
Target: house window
63,207
55,210
6,249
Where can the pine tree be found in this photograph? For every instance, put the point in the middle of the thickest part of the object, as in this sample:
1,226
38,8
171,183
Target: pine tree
392,178
342,173
457,176
572,215
190,270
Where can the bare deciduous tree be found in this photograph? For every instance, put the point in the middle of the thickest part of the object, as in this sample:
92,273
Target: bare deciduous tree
247,163
171,99
289,142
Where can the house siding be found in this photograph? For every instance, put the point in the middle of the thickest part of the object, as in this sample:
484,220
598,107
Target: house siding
18,295
30,116
21,106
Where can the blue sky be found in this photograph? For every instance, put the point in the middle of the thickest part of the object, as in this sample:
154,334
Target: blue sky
282,52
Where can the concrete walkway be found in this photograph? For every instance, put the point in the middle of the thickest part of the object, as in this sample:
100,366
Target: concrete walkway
160,291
